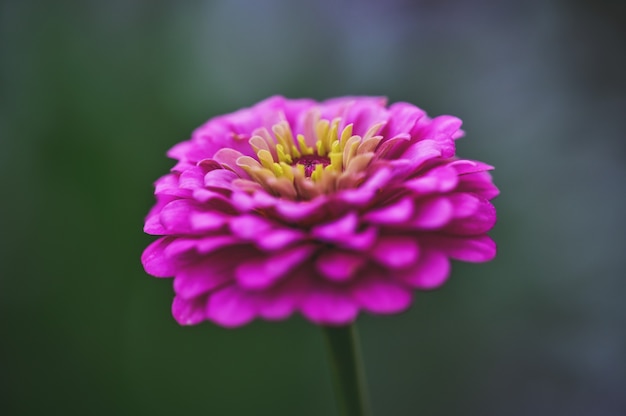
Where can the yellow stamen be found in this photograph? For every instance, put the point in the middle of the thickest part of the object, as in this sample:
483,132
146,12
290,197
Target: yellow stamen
336,159
317,172
282,132
304,149
319,145
321,131
266,159
350,149
345,135
282,156
287,170
332,135
277,169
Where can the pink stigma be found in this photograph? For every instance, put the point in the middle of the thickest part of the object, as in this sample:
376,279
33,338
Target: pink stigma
310,161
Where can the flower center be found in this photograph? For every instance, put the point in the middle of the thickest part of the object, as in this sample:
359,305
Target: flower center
321,160
310,163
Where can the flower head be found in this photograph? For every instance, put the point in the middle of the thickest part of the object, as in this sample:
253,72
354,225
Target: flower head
323,208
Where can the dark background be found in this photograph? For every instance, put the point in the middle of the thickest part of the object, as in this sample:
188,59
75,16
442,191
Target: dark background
93,93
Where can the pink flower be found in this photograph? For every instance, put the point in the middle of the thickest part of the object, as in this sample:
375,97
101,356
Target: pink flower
321,208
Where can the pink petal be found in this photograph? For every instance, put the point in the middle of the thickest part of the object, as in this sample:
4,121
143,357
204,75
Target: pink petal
214,243
203,245
279,239
421,152
187,163
343,233
153,226
479,183
282,300
249,226
226,131
475,249
464,167
396,213
181,247
192,178
230,307
220,178
179,151
360,241
258,200
431,271
380,295
242,201
207,165
402,118
440,179
204,195
169,185
465,204
482,220
335,230
262,272
300,210
207,221
393,148
396,251
228,158
325,305
200,277
445,126
433,213
276,308
339,265
189,217
363,112
154,260
366,192
356,197
175,216
443,130
293,111
189,311
264,200
378,180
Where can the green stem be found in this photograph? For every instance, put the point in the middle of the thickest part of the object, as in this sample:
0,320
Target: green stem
347,368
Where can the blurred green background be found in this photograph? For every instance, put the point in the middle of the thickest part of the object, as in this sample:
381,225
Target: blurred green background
93,93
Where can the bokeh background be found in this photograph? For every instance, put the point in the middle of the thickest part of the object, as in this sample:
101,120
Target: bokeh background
92,94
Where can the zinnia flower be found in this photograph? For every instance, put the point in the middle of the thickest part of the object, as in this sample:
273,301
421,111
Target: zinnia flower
324,208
